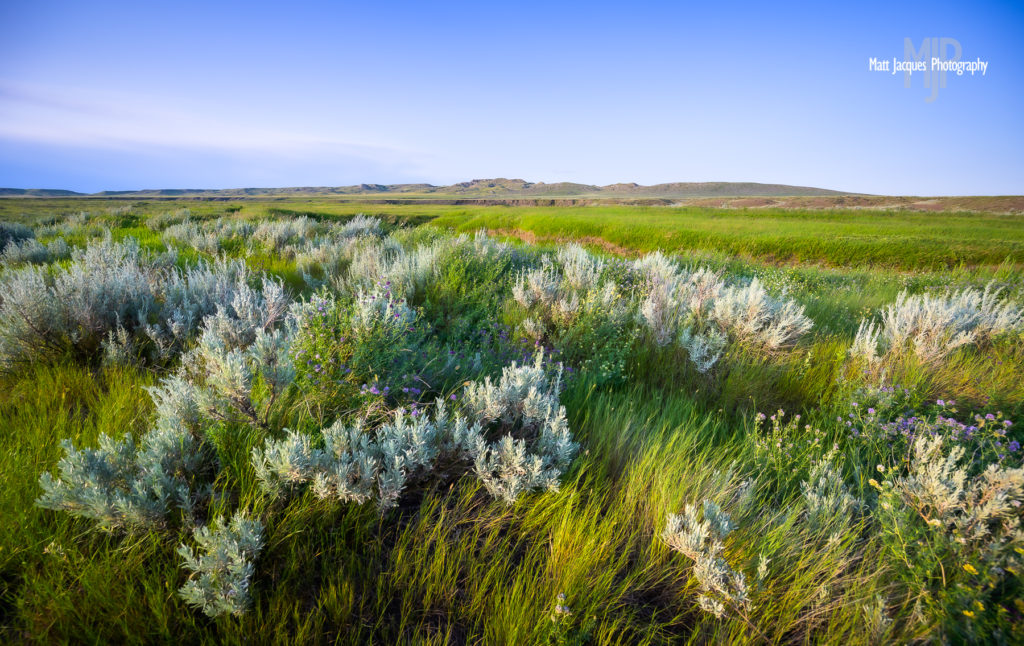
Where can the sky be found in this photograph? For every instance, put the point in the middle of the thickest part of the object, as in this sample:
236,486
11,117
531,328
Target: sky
119,96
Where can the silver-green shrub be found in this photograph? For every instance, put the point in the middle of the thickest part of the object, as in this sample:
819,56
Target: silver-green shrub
829,502
208,237
534,444
276,234
107,285
700,537
582,270
27,251
379,307
934,326
703,348
232,372
356,464
405,272
223,565
115,298
14,232
127,487
359,226
697,311
749,314
940,509
513,433
189,296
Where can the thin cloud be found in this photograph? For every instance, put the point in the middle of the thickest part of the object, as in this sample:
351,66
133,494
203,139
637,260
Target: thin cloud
76,117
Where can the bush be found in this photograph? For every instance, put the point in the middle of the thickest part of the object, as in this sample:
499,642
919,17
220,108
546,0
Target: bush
568,308
699,313
829,502
933,326
123,487
189,296
13,232
934,512
29,251
723,589
753,317
535,444
221,572
115,299
107,286
357,463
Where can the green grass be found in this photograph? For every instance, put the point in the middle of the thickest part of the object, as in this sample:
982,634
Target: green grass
451,565
834,238
449,568
840,238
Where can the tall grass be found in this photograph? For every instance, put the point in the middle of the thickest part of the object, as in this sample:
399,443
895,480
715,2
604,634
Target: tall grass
823,558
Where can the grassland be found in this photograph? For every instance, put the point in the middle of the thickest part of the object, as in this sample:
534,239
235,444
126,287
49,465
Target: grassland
451,564
851,238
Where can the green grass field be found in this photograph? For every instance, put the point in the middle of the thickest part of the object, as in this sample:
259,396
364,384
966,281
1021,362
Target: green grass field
839,237
840,534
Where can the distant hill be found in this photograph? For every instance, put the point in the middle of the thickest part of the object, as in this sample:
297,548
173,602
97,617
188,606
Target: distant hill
37,192
482,188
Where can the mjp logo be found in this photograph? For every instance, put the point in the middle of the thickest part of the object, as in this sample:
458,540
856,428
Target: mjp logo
933,59
938,50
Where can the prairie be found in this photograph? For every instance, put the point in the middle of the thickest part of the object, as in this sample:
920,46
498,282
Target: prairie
316,420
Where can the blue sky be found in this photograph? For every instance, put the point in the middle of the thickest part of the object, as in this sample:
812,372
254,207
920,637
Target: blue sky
99,95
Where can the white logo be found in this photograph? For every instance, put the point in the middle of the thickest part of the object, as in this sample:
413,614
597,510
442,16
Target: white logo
933,59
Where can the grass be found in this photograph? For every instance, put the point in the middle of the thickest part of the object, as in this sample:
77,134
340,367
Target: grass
450,564
833,238
906,241
453,568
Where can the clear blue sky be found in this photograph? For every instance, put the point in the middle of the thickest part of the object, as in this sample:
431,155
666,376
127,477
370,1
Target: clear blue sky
101,95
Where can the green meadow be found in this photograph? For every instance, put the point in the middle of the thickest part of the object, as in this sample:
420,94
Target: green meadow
778,427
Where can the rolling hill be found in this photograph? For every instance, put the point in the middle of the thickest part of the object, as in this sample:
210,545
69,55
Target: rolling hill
477,188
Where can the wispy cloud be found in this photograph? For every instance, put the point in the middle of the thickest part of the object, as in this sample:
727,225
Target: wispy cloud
83,118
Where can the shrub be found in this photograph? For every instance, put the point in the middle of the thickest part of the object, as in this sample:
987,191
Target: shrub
700,539
123,487
933,326
249,312
569,309
245,381
357,463
582,270
190,296
13,232
360,226
956,540
753,317
276,234
674,300
535,444
113,298
704,349
829,502
699,313
191,234
406,273
107,286
26,251
223,566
